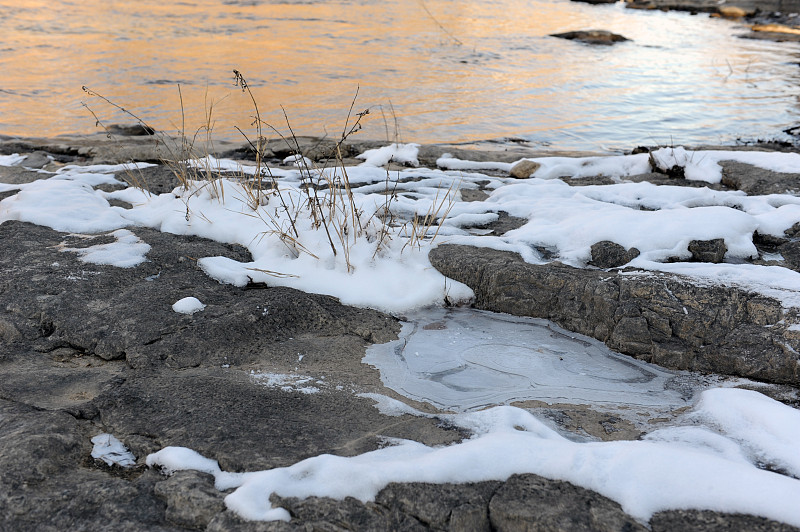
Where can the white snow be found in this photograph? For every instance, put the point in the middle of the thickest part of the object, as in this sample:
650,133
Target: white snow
12,160
698,165
451,163
365,262
128,250
188,305
696,467
112,451
288,383
768,431
398,153
64,205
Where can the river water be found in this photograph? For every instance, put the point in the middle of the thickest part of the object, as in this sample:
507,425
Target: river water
433,71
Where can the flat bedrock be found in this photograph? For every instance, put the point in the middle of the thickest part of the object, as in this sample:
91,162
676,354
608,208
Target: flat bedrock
86,349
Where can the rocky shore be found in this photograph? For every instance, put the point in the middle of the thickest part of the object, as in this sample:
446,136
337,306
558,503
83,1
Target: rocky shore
90,349
775,20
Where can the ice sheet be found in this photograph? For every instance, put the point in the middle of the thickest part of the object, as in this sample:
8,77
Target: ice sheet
465,359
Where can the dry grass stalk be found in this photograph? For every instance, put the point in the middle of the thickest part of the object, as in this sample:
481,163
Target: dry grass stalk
420,226
325,194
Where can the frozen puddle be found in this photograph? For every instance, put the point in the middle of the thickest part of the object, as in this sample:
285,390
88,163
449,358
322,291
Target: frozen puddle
464,359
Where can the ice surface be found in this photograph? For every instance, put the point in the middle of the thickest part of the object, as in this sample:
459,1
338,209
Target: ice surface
465,359
112,451
188,305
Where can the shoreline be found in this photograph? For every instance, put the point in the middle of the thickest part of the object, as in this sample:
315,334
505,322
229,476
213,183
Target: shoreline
121,147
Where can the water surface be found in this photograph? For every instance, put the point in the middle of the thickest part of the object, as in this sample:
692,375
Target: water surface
495,73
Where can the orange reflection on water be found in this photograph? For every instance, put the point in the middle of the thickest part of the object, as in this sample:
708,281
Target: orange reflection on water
508,78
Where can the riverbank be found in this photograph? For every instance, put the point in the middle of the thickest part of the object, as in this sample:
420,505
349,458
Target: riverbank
264,376
775,20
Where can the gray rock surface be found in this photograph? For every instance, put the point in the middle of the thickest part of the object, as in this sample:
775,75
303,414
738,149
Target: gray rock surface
714,6
530,502
659,318
90,349
756,181
443,507
694,6
776,36
503,224
191,498
713,522
99,149
48,482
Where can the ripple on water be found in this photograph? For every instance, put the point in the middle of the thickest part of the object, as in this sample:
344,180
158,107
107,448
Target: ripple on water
480,70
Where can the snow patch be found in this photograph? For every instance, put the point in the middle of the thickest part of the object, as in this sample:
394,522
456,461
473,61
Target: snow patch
398,153
288,383
188,305
12,160
112,451
128,251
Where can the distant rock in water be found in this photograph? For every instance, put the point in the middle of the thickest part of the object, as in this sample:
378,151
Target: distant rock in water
597,1
592,37
131,130
773,32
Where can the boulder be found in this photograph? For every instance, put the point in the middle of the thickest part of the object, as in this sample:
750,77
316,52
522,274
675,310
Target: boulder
708,250
607,254
524,169
660,318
